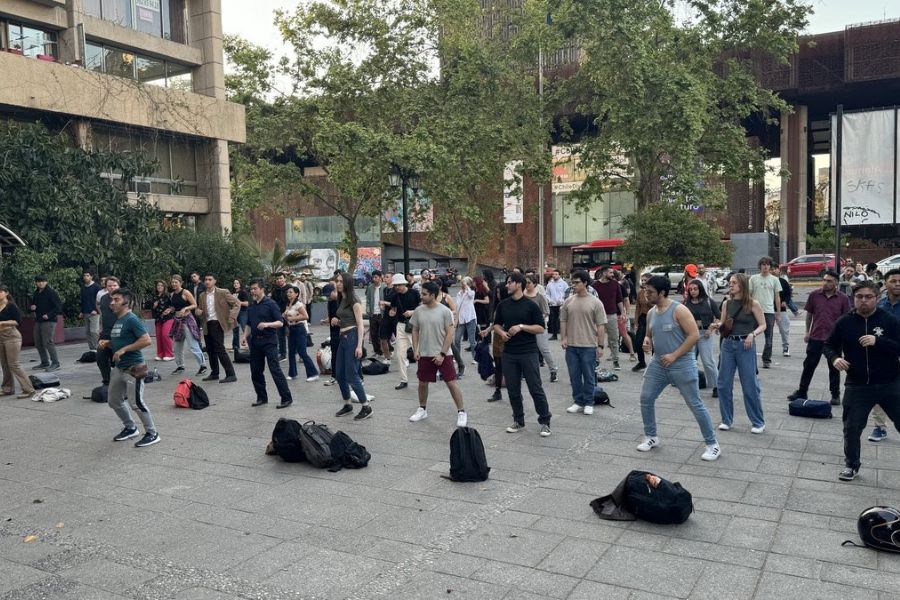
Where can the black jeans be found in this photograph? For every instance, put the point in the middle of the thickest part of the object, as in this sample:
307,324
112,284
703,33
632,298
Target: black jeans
374,333
639,336
859,400
104,363
282,340
553,321
813,355
770,331
215,347
514,367
260,353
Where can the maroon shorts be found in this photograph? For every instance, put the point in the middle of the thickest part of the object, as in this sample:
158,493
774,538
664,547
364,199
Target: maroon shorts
427,371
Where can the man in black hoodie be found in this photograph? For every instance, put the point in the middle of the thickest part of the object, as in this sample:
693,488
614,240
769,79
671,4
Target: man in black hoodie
46,306
864,344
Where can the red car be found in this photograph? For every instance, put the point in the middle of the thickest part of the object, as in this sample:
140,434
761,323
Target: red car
809,265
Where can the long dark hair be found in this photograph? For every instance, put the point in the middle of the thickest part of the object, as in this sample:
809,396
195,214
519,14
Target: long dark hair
9,298
701,291
348,296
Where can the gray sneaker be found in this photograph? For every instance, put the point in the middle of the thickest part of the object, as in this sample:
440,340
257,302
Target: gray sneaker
545,431
515,428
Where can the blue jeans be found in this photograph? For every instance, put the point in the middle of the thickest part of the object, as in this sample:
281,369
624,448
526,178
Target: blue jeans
687,380
346,367
297,346
581,362
708,360
193,344
458,336
733,357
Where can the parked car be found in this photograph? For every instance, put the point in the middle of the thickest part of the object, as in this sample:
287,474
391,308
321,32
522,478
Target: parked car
809,265
675,273
886,264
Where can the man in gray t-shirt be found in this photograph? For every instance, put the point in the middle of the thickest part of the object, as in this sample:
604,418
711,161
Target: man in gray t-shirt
432,334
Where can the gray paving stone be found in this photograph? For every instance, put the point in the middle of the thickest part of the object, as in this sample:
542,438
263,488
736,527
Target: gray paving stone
549,585
430,585
509,544
327,573
17,575
106,575
755,534
821,544
725,581
776,585
573,557
592,590
648,571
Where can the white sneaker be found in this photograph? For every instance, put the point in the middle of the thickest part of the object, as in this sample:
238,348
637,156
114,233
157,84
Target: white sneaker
461,419
420,414
355,398
313,378
168,358
575,408
588,410
712,452
724,426
759,429
786,353
648,444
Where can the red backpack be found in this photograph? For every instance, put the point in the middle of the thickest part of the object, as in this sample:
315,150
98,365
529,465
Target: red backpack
182,393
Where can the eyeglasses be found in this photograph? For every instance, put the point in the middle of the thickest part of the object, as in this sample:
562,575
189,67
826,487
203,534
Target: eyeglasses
864,297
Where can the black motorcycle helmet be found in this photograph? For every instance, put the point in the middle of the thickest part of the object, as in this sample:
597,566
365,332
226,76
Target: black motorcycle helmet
879,528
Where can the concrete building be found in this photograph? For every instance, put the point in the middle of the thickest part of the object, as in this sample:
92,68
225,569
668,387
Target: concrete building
130,75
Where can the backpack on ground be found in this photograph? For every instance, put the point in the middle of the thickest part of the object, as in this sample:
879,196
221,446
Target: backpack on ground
88,357
40,381
485,361
347,453
242,356
100,394
605,376
601,398
182,393
315,438
467,459
197,398
375,367
657,500
813,409
286,441
323,359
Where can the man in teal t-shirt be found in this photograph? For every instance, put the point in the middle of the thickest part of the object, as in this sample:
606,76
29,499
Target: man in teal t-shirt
126,339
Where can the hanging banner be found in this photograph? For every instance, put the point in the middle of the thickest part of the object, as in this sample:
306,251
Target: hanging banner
513,195
868,167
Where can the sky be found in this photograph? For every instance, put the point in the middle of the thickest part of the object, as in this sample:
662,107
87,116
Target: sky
252,19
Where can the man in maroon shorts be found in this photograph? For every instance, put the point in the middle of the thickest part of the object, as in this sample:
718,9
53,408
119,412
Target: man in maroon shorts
432,334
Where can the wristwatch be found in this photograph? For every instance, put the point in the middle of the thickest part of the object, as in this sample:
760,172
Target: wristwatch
443,354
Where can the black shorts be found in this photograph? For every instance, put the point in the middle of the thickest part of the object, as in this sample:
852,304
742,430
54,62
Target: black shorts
387,328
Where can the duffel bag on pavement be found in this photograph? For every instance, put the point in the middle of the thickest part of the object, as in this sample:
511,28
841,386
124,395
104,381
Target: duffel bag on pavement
813,409
657,500
315,439
44,380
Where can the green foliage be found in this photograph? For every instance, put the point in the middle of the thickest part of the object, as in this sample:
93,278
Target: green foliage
669,99
209,252
665,233
20,268
281,261
822,239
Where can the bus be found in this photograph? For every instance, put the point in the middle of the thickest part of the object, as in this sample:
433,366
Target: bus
596,254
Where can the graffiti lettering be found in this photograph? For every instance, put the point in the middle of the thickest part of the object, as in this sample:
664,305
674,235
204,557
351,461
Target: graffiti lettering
865,185
859,213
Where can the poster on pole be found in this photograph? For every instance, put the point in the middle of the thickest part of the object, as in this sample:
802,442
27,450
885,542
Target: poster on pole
868,167
513,194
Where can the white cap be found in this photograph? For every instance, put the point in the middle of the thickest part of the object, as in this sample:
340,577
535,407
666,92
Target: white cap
398,279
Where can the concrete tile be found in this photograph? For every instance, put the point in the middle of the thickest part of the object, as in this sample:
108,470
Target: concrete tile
592,590
776,585
17,576
327,572
428,585
755,534
821,544
573,557
648,571
726,581
107,575
543,583
509,544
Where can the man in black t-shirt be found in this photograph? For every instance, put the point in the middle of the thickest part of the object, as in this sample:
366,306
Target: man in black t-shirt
517,321
279,295
403,303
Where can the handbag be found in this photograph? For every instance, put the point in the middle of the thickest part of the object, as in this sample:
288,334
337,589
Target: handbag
727,326
138,371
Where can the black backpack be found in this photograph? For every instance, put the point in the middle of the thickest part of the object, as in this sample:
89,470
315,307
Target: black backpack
467,459
100,394
601,398
347,453
242,356
88,357
316,442
40,381
657,500
375,367
286,441
198,400
814,409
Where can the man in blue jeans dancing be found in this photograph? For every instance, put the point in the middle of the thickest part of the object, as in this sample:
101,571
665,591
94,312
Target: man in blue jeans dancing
671,335
582,321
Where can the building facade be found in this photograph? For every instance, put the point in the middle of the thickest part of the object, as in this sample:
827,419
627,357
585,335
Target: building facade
130,75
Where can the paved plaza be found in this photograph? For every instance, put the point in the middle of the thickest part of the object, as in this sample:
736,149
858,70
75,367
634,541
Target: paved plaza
206,515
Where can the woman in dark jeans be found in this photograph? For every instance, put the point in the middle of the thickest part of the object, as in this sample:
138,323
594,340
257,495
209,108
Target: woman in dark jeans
350,345
297,318
641,308
237,288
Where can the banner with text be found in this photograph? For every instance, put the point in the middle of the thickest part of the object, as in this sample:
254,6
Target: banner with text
869,167
513,194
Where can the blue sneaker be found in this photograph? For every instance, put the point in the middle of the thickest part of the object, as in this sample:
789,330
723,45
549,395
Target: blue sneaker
878,434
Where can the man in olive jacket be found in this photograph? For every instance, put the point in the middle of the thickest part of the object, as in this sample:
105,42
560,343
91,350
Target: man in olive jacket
217,309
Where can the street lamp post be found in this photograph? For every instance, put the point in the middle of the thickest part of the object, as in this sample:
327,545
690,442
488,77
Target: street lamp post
401,178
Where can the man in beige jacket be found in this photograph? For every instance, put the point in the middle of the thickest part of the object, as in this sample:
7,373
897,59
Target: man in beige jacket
217,310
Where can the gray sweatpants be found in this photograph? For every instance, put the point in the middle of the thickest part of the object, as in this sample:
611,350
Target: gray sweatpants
118,385
543,344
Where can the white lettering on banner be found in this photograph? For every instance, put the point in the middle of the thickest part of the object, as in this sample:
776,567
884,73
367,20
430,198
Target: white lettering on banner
513,196
149,4
145,15
868,167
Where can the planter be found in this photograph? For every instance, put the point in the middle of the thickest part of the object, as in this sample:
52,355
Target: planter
15,51
45,58
27,331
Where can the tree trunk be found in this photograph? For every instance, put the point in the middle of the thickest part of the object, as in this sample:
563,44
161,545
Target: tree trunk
472,264
351,245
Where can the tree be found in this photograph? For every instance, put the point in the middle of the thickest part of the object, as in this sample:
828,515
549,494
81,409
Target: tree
665,233
281,261
822,239
669,100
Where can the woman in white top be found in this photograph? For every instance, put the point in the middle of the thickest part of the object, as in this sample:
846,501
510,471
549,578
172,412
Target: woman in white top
297,318
466,320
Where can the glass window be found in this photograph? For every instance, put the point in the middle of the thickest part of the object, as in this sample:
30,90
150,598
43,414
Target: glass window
179,77
148,16
14,37
32,42
184,161
117,11
119,62
151,70
93,57
92,8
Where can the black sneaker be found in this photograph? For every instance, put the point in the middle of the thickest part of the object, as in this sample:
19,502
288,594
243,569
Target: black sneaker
638,367
126,434
211,377
150,438
53,367
554,376
462,371
496,397
616,365
40,366
401,386
345,410
202,370
715,392
178,370
767,365
835,399
364,413
796,394
848,474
